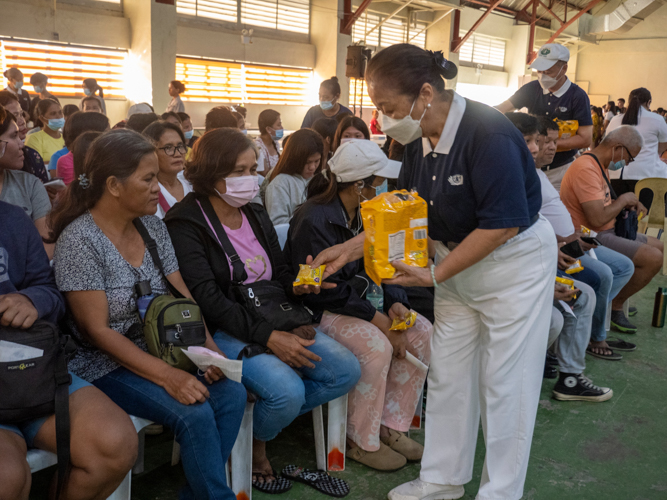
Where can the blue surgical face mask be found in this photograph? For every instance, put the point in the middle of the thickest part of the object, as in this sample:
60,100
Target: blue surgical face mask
87,91
189,134
18,85
245,132
56,123
382,188
39,89
616,165
278,134
326,105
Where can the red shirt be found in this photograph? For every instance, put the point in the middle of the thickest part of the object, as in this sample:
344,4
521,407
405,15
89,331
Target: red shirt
375,129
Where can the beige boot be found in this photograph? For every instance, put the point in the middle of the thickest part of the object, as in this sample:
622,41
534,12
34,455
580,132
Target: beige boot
402,444
385,459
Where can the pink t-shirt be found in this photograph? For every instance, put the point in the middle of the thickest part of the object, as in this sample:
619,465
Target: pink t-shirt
251,252
65,168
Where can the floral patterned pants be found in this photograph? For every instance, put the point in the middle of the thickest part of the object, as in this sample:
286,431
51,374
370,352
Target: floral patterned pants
388,391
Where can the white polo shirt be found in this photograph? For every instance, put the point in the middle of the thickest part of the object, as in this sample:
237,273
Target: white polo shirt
553,209
653,129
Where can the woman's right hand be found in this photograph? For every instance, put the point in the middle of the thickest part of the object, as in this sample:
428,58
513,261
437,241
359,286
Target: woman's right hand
291,349
184,387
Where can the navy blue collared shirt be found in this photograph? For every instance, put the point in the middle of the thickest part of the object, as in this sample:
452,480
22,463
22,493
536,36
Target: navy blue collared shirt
480,175
570,102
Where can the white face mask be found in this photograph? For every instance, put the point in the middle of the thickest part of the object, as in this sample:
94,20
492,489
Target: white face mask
547,82
405,130
240,190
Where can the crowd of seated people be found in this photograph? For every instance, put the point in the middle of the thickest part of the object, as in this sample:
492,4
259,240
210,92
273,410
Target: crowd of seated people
200,196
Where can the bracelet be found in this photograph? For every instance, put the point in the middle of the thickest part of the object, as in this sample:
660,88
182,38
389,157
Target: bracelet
435,283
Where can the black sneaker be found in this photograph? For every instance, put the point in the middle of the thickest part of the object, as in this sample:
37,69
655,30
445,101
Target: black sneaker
572,387
632,311
620,323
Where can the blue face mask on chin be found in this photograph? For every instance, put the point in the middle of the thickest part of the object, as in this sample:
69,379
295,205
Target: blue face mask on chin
38,89
189,134
616,165
87,91
56,124
382,188
326,105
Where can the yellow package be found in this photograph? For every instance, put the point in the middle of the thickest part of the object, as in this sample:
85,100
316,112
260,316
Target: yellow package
404,324
567,128
574,268
308,276
567,282
396,228
585,231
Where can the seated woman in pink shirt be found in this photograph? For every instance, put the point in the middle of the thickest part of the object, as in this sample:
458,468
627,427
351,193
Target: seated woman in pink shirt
77,124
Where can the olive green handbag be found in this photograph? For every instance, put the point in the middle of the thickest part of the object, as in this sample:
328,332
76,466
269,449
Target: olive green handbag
172,322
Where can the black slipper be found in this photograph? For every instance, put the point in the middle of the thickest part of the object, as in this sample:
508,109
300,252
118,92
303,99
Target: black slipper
318,479
621,345
275,487
610,357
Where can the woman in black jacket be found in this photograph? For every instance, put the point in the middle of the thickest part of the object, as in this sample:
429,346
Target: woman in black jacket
223,173
381,407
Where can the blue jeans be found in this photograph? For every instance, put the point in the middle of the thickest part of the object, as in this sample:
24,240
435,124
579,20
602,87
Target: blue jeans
614,270
206,431
285,393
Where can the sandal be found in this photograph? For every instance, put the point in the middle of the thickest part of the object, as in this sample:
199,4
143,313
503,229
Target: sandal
610,357
621,345
318,479
275,487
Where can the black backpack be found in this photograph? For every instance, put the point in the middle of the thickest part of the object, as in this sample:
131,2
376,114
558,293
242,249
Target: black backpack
39,387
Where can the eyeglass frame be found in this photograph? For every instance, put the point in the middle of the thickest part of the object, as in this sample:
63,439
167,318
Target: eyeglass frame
181,148
632,158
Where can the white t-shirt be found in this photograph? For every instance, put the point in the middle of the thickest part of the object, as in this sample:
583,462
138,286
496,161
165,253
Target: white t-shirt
553,208
609,116
653,129
187,188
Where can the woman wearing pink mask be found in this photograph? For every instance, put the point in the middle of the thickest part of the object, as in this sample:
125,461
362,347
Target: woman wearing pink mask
223,173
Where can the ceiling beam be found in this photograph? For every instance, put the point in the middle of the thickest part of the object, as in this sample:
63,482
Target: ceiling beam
433,23
384,20
463,40
350,17
569,23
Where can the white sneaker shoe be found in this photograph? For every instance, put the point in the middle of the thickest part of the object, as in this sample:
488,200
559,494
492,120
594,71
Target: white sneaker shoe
420,490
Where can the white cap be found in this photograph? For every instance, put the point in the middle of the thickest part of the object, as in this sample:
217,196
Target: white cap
550,54
358,159
142,107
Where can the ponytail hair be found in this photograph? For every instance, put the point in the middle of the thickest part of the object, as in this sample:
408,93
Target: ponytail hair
113,154
638,97
92,84
406,68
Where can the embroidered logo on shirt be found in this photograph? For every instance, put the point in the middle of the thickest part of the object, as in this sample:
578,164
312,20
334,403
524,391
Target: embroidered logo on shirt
456,180
563,109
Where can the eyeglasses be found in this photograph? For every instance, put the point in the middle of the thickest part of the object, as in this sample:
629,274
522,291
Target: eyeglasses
632,158
171,150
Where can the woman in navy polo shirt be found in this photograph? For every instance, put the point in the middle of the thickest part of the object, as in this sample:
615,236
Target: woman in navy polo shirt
495,267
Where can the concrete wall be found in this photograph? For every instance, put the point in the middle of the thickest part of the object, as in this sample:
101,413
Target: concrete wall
620,63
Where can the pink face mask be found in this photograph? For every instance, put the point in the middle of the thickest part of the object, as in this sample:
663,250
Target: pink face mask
240,190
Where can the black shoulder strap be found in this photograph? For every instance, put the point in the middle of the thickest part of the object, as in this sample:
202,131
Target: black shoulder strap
611,189
155,255
240,274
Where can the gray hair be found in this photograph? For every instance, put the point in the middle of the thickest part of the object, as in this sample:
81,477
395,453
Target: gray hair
626,135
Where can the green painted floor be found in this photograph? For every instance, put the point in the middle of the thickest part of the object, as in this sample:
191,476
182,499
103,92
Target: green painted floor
612,450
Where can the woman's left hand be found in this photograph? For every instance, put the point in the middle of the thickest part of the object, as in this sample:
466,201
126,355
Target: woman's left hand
410,275
213,374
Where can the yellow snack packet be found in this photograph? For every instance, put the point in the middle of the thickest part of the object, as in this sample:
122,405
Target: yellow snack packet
567,282
396,228
574,268
308,276
567,128
585,231
404,324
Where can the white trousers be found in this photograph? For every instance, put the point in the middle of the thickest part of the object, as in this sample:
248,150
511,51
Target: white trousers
487,358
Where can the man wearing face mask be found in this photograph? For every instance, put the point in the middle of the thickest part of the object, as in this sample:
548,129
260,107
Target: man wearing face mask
553,95
587,195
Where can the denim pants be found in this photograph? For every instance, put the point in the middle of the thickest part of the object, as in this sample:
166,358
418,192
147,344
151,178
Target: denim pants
206,431
285,393
614,270
576,332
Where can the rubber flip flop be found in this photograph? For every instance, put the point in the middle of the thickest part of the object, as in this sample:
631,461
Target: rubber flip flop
318,479
621,345
275,487
609,357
